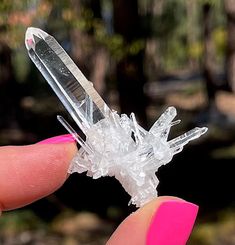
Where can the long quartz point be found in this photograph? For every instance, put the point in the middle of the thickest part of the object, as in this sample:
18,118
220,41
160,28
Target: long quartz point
76,93
116,145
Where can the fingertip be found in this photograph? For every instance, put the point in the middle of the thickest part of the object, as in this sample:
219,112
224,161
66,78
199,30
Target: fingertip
172,223
28,173
157,223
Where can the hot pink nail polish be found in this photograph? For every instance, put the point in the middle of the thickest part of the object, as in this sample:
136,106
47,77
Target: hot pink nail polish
172,223
66,138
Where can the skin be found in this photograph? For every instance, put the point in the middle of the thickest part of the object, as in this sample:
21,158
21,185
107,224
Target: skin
28,173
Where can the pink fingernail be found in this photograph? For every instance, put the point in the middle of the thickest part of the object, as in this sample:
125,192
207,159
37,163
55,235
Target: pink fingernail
66,138
172,223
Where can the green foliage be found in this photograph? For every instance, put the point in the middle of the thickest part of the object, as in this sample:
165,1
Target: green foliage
171,30
19,221
220,40
167,23
220,230
168,27
214,3
195,50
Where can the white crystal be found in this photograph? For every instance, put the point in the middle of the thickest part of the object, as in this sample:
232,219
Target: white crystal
118,146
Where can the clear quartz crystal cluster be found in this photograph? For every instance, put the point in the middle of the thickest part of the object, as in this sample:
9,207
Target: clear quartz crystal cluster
118,146
115,145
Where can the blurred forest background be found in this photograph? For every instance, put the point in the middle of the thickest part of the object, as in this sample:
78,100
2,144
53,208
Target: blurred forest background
142,56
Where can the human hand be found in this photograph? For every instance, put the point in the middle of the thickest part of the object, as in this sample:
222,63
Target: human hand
28,173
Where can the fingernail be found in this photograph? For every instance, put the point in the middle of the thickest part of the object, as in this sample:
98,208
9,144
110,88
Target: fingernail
66,138
172,223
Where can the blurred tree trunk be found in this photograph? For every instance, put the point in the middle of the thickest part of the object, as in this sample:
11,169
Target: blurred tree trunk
209,57
153,57
130,74
191,10
91,58
9,91
230,66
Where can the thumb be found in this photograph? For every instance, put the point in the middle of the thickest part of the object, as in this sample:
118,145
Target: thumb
163,221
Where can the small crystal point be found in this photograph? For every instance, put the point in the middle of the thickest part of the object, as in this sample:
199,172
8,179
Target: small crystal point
204,130
32,36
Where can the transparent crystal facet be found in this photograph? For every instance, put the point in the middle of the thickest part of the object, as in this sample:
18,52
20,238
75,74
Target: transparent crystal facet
116,145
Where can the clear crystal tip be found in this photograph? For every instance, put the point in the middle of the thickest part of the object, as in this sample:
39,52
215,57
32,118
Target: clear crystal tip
31,36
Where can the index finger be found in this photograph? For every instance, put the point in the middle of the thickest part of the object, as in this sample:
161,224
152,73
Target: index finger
28,173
